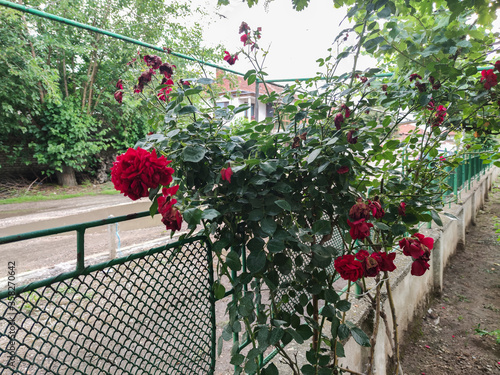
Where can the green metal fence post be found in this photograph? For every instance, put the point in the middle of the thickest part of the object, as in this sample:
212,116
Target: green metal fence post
80,249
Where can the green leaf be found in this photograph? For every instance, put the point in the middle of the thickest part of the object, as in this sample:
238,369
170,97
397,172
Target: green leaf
339,350
284,205
219,290
343,305
275,246
331,296
343,332
270,370
436,218
210,214
193,154
192,216
360,337
452,217
233,261
255,244
220,344
298,338
205,81
268,225
322,227
188,109
398,229
307,370
381,226
256,261
237,359
313,155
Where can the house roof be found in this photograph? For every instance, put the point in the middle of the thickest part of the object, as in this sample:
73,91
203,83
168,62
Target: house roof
238,86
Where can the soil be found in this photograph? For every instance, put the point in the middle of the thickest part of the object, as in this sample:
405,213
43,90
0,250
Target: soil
443,340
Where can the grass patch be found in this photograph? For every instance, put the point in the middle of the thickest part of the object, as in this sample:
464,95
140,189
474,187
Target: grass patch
49,192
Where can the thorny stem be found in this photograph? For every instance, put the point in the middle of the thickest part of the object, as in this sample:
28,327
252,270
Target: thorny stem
315,338
394,320
293,365
375,328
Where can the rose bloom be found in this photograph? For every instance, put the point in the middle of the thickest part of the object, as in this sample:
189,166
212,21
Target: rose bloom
136,171
348,267
360,210
497,65
370,264
350,138
385,261
346,109
226,174
153,61
339,119
343,169
377,210
414,76
417,245
360,229
419,266
490,77
402,209
230,59
119,96
171,216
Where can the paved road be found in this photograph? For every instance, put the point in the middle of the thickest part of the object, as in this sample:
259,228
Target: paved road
57,253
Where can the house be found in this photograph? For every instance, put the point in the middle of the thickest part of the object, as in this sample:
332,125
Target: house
236,91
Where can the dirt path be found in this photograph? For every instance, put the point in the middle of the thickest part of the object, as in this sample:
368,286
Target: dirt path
444,341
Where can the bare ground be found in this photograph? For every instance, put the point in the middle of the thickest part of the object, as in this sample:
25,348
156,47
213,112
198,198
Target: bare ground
443,340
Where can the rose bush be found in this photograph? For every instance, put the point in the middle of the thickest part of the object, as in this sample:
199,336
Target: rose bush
293,206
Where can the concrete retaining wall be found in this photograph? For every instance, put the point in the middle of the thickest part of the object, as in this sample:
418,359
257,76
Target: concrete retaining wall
411,293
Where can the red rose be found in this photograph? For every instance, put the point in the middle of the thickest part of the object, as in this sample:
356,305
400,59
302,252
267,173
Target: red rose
343,170
244,39
416,246
490,77
346,109
226,174
119,84
136,171
348,267
377,210
171,216
385,261
414,76
360,210
119,96
370,263
339,119
497,66
230,59
350,136
153,61
402,209
359,229
419,266
167,70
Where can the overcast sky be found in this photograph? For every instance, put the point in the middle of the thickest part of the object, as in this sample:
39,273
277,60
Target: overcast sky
295,39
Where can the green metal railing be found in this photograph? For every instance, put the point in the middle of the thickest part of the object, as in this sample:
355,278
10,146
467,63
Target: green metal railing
147,313
461,178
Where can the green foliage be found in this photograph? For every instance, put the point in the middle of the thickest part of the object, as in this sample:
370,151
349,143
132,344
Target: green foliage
66,137
44,63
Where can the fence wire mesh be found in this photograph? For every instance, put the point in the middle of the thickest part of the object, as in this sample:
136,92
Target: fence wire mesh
149,313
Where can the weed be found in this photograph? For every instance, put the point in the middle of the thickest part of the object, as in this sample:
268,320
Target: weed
491,307
460,318
495,334
462,298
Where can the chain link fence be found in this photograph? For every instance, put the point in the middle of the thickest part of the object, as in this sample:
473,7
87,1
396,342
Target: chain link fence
148,313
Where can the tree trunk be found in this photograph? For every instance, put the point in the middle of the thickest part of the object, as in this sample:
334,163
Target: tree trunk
67,177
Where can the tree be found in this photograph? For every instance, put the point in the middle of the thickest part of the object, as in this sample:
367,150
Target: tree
47,65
